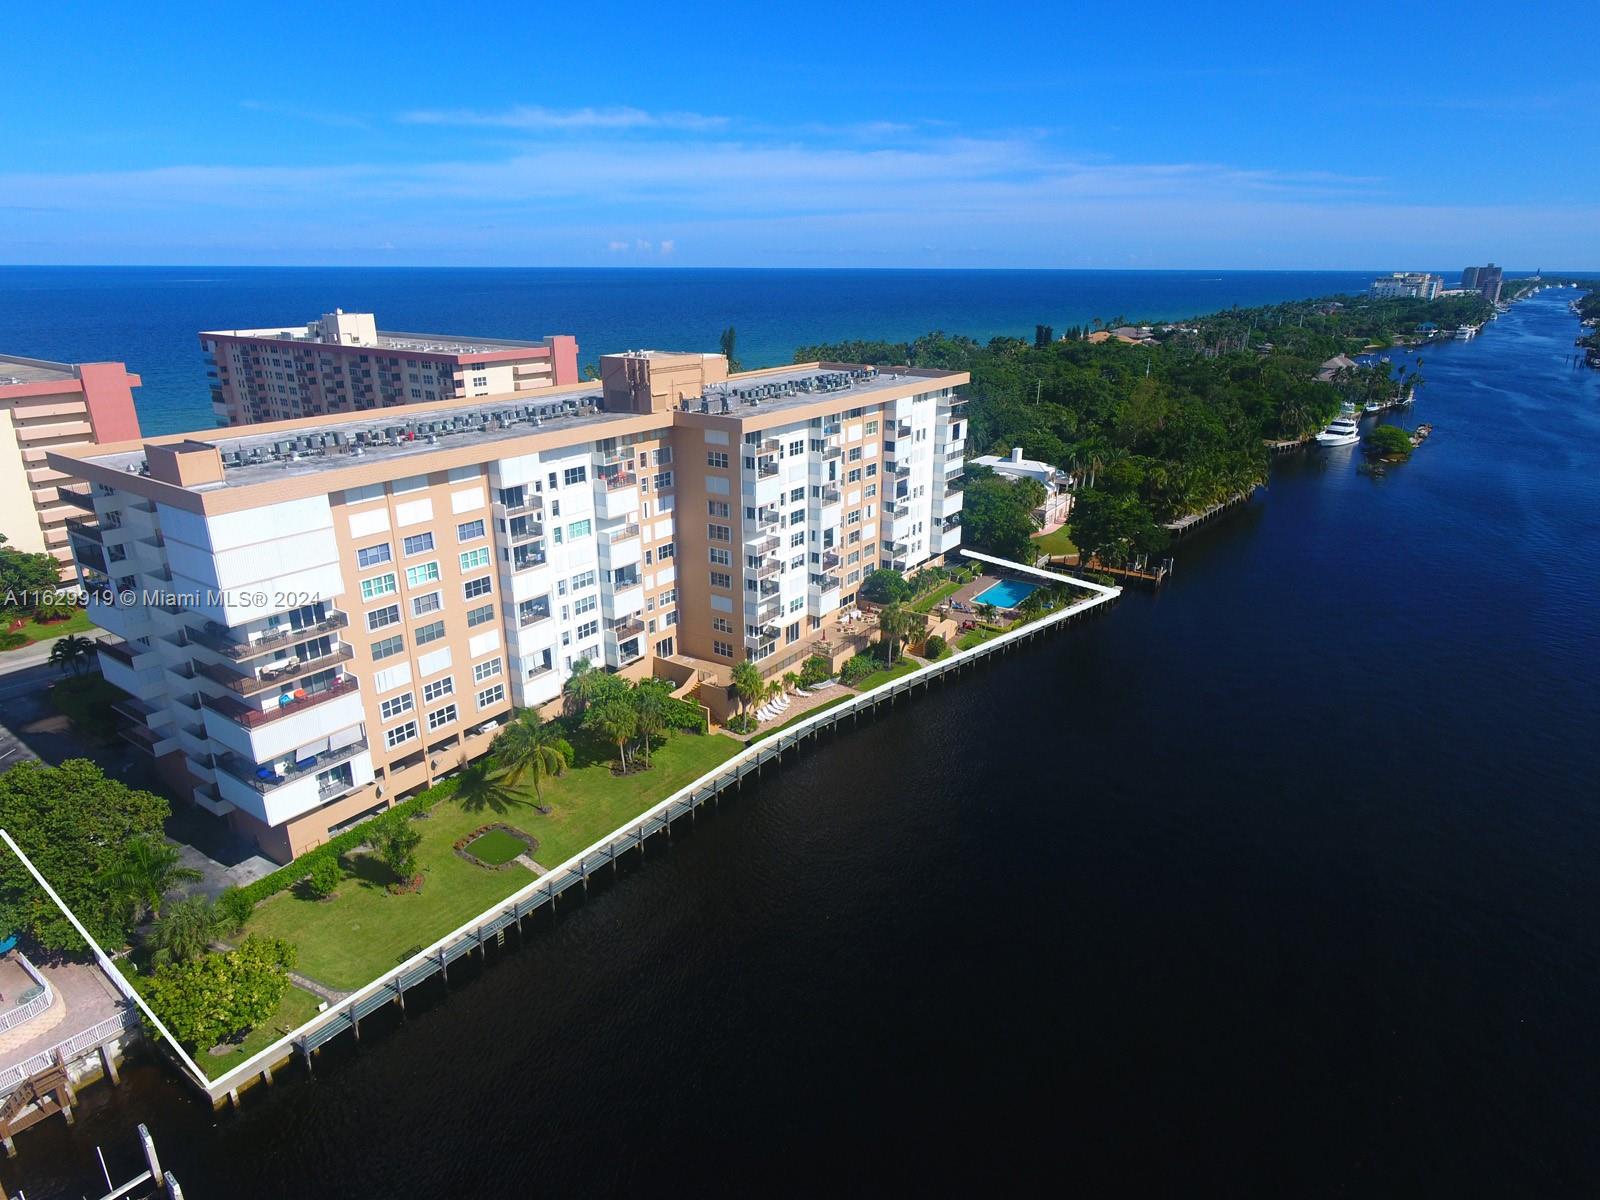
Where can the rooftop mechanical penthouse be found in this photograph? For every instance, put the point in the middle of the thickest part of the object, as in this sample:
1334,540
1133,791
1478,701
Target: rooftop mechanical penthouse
344,363
315,618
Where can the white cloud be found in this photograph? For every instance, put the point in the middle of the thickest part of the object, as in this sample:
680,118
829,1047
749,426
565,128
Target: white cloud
536,117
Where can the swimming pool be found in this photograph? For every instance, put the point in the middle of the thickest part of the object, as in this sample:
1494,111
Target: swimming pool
1008,593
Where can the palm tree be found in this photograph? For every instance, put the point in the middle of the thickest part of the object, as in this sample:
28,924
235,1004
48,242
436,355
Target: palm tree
649,716
479,787
186,931
147,870
894,625
581,684
747,683
616,717
529,748
71,653
791,681
775,689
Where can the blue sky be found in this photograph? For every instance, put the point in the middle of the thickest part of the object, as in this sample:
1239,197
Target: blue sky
1186,135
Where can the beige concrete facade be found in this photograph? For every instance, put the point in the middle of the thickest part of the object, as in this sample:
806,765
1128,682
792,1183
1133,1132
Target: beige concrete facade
48,406
328,615
344,363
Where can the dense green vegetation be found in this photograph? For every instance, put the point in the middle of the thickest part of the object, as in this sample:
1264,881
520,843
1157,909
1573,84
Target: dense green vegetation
1389,441
1150,432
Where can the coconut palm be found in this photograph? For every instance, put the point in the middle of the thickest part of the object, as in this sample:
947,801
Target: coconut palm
529,748
747,684
187,930
791,680
71,653
649,715
895,624
145,872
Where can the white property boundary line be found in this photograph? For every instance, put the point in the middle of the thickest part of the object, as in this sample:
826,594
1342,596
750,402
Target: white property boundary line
752,754
106,965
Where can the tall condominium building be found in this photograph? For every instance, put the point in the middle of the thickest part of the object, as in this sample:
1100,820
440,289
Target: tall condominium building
314,618
344,363
46,406
1484,280
1415,285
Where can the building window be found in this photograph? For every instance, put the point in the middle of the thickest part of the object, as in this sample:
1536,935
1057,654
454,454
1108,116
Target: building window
440,717
579,529
432,602
574,475
872,428
588,629
431,632
719,533
388,647
400,733
469,530
471,560
378,585
584,604
395,705
663,481
792,633
722,649
372,556
722,624
439,687
717,508
474,588
717,459
485,670
418,543
480,616
665,551
380,617
491,695
722,558
721,579
796,448
422,573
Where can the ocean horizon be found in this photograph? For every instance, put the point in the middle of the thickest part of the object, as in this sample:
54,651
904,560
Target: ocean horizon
149,317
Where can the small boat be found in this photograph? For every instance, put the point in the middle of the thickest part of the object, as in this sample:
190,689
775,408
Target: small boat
1342,432
1373,406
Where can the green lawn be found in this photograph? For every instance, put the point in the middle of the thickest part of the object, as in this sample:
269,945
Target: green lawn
497,847
905,666
296,1008
1059,542
931,601
976,637
36,631
363,931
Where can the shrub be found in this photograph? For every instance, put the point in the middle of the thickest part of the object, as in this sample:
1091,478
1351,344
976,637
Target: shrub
86,701
1390,441
885,586
234,907
815,670
858,668
11,640
935,648
742,723
325,877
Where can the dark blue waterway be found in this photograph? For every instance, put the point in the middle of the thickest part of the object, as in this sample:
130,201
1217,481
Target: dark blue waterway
148,316
1282,882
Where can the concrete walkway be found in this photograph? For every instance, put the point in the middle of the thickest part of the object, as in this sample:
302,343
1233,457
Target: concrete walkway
84,998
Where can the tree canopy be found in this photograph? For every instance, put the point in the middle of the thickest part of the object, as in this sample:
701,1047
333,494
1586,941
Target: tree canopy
76,825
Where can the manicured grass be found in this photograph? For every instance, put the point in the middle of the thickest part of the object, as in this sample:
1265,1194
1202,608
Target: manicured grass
1059,542
497,847
296,1008
929,602
349,940
976,637
36,631
905,666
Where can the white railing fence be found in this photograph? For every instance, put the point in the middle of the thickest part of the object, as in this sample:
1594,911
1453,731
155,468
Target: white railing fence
23,1013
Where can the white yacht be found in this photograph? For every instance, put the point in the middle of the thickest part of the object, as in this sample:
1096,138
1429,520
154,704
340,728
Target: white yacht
1344,431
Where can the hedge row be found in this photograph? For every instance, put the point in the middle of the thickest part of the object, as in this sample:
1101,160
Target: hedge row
287,876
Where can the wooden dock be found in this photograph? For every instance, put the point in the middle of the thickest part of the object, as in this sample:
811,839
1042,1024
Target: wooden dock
1143,576
1186,525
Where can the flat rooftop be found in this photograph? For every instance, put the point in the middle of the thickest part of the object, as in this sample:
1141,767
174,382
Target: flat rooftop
15,371
422,343
403,433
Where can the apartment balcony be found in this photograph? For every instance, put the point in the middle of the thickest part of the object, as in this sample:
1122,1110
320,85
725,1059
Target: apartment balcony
768,569
620,546
525,559
523,530
902,430
765,633
622,599
526,620
954,461
832,452
152,743
769,587
215,637
953,403
830,495
762,544
76,498
824,582
625,627
268,778
902,470
280,675
530,503
130,655
248,717
88,530
617,494
950,523
769,609
897,508
831,560
766,466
